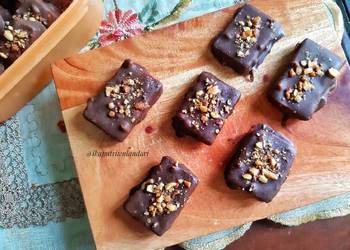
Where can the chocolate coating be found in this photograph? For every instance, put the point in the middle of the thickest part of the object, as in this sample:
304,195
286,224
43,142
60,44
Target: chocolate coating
60,4
275,153
19,16
11,49
226,47
44,12
4,16
10,5
35,29
2,68
203,116
323,84
140,199
146,89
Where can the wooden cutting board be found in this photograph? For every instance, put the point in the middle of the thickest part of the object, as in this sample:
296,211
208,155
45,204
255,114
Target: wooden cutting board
176,55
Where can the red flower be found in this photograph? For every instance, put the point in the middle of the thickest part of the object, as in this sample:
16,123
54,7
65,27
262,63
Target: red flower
118,26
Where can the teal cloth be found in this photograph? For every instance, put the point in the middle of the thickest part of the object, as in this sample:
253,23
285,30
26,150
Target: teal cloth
33,139
38,148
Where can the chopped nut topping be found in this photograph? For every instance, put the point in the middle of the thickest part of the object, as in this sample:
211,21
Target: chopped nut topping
270,175
273,161
247,176
141,105
31,16
111,114
215,115
254,171
125,89
125,97
108,91
205,106
303,63
171,207
298,70
3,55
249,30
8,35
204,119
259,145
203,109
263,162
187,184
199,93
241,54
213,90
332,72
162,196
292,73
111,105
263,179
259,163
306,70
129,82
15,40
170,185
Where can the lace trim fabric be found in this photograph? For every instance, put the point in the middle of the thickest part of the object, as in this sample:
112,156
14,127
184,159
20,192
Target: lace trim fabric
23,204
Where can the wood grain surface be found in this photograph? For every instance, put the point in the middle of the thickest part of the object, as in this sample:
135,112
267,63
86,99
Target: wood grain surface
176,55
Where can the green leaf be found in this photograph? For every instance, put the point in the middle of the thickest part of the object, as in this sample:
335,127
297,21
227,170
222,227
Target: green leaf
175,14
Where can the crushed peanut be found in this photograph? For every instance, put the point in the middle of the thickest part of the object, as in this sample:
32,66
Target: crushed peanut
125,96
31,16
306,70
247,177
263,161
163,196
204,106
249,30
263,179
332,72
15,40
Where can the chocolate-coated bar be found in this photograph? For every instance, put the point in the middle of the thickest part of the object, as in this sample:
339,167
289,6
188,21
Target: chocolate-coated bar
261,163
124,101
206,106
161,196
247,40
304,87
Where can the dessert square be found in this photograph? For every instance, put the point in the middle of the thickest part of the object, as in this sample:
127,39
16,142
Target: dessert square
247,40
304,87
261,163
22,23
37,10
206,106
161,196
124,101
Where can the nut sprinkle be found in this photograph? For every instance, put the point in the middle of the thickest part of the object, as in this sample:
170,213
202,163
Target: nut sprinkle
206,103
248,36
264,161
15,40
306,70
126,97
31,16
163,195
